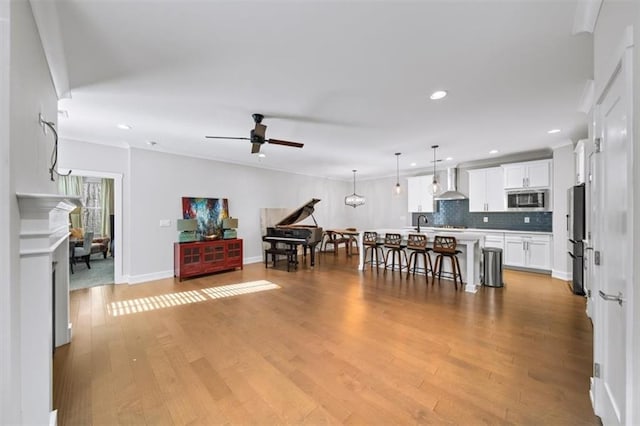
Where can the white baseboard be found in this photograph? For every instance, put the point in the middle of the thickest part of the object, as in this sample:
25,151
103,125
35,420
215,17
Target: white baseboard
254,259
561,275
142,278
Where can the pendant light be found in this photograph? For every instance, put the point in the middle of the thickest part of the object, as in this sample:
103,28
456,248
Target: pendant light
398,189
435,186
354,200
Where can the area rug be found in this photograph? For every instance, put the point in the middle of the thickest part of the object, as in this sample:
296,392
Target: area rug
101,273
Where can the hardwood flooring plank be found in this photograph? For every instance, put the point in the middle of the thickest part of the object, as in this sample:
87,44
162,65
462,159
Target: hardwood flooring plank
331,345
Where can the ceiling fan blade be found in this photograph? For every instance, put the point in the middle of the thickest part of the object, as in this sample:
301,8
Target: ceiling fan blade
255,148
226,137
285,143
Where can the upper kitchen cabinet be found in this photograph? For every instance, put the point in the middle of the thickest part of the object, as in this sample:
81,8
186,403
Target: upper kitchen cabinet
486,190
419,195
532,174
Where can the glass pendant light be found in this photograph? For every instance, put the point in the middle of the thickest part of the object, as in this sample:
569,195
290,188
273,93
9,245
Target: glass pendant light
397,189
354,200
435,186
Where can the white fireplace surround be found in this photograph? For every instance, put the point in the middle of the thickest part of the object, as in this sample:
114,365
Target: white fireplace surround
44,236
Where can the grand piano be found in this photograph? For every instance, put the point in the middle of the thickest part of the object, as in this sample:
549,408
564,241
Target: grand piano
287,232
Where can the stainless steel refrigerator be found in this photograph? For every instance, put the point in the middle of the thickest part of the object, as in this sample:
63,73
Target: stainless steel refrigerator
576,231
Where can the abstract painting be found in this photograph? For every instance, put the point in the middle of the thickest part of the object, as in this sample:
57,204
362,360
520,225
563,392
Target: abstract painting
208,212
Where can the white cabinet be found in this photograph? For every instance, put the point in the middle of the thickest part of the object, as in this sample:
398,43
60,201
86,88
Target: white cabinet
528,251
532,174
486,190
419,196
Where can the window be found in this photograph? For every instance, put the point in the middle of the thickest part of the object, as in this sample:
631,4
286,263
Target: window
92,213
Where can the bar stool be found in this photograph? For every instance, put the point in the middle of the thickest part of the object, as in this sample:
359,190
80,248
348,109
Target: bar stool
446,247
393,244
417,245
373,247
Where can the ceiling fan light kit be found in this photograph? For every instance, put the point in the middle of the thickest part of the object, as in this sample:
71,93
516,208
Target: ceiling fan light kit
257,136
354,200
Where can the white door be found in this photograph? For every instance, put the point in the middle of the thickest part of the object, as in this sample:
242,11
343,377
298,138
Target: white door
612,302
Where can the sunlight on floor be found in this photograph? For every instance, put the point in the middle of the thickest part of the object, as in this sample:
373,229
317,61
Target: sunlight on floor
151,303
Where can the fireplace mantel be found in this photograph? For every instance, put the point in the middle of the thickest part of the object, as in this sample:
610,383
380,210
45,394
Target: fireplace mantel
44,232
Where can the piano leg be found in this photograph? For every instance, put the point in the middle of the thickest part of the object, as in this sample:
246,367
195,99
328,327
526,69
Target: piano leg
312,251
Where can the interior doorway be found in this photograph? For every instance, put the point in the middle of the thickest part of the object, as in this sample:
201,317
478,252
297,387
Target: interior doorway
107,224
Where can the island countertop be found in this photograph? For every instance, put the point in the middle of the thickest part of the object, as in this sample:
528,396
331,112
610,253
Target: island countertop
470,243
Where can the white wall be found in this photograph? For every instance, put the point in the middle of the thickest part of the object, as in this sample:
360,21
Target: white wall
26,89
155,183
103,161
159,181
383,209
563,179
8,410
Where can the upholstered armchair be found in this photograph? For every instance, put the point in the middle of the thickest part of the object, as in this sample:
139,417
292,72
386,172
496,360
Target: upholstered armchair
89,245
83,251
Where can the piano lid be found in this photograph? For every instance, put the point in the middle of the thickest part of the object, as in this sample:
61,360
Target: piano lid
300,214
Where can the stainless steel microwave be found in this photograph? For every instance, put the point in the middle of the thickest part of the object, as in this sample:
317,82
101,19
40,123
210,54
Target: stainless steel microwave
536,200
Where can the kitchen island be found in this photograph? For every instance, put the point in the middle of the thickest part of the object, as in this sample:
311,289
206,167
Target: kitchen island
469,243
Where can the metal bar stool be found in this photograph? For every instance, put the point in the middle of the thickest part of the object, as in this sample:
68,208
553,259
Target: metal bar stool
374,248
393,244
446,247
417,245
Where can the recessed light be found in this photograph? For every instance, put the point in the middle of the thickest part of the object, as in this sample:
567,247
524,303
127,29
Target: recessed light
438,94
448,159
413,164
123,126
493,151
261,155
552,131
152,143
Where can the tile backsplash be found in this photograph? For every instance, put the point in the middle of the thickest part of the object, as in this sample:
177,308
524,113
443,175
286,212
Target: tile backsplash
456,213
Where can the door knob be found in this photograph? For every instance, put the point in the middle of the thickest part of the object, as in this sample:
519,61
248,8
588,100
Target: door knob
612,298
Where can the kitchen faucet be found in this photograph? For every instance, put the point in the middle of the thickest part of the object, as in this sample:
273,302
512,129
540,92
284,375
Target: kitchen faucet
425,220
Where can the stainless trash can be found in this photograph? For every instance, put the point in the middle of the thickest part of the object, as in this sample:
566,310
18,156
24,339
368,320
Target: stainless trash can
492,267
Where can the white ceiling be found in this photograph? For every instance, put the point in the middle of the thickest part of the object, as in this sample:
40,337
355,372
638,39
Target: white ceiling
351,80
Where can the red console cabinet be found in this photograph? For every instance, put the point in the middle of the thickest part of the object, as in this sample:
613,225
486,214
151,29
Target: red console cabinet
205,257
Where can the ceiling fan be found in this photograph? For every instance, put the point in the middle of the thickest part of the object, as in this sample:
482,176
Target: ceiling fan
257,136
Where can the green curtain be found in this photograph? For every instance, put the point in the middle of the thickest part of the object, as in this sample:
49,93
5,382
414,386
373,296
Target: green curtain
72,185
107,206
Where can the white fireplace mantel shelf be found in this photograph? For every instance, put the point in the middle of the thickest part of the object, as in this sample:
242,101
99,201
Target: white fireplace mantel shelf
44,281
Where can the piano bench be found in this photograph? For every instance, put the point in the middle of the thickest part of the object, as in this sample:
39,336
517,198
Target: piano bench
290,253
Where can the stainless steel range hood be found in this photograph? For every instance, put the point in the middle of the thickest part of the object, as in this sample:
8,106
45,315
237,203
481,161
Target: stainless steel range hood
452,189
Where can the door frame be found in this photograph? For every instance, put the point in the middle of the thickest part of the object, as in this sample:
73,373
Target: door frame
118,272
622,62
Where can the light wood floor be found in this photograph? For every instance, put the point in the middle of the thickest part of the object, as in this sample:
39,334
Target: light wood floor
332,345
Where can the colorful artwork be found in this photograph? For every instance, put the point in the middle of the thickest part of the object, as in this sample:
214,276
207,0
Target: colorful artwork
209,213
